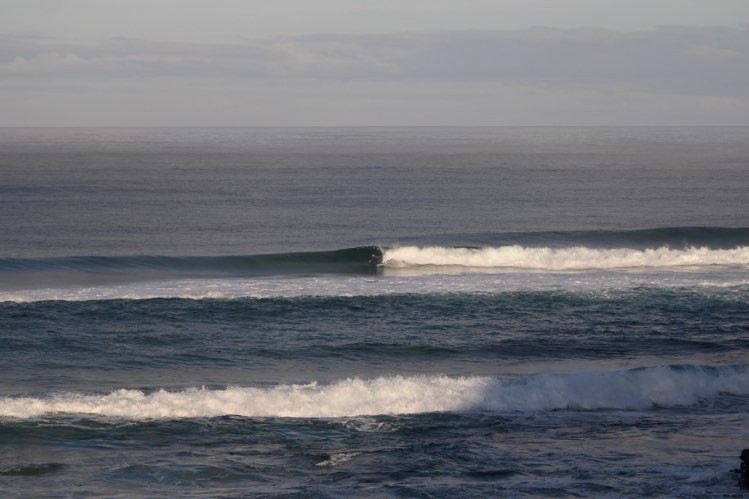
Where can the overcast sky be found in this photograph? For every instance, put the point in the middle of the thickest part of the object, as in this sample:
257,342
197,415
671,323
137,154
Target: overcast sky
367,62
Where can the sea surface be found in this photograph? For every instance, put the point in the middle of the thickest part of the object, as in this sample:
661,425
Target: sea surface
387,312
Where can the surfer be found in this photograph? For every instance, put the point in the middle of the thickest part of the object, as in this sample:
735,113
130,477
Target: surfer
376,257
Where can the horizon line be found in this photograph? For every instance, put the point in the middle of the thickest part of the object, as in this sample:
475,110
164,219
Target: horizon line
387,126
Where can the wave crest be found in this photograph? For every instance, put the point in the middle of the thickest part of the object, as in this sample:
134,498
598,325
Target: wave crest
665,386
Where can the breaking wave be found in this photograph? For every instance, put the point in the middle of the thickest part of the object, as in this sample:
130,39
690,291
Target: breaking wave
668,248
636,389
574,258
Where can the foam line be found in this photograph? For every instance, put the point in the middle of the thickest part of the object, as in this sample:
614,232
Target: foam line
572,258
640,389
414,280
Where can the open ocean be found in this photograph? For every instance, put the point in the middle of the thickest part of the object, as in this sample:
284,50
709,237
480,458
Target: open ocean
336,312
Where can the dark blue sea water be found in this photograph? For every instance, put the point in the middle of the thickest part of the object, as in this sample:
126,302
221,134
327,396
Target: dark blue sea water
418,312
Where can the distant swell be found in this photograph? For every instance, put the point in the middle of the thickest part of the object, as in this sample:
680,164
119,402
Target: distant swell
638,389
573,258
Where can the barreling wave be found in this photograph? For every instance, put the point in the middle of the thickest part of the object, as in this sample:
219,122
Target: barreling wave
635,389
545,251
572,258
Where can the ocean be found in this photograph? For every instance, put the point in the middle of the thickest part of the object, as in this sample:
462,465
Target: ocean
373,312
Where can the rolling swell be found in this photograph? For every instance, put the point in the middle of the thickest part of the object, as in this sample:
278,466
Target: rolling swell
440,331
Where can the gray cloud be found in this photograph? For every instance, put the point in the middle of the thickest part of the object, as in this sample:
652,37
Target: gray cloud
683,60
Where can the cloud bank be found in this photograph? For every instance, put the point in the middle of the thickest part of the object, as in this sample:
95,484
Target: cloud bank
677,62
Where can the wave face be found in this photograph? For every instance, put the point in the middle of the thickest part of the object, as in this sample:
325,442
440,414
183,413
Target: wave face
96,269
638,389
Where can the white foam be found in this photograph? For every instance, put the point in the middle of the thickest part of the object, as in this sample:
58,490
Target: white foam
634,389
336,459
575,258
409,283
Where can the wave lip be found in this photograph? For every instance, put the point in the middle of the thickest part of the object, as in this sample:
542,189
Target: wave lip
558,259
635,389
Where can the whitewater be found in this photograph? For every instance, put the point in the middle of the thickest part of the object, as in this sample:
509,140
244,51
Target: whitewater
663,386
574,258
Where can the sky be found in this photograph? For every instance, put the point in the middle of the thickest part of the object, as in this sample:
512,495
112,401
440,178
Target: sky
373,63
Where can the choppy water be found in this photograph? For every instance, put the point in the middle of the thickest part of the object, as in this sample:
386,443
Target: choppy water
398,312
